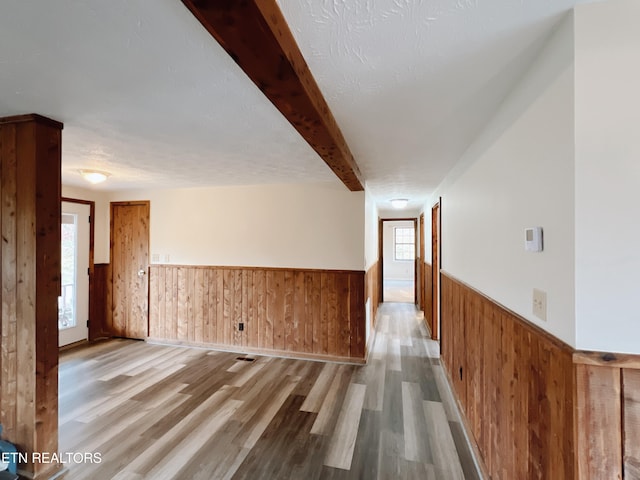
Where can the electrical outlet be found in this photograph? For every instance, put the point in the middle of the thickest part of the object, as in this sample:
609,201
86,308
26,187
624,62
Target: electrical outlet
241,326
540,304
167,258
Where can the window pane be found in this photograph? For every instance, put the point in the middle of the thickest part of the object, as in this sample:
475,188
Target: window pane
405,235
66,302
404,252
408,252
404,243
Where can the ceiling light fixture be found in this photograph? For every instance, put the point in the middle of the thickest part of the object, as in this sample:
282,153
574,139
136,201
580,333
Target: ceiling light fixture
399,203
94,176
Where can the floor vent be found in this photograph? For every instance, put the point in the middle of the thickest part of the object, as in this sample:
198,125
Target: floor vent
245,359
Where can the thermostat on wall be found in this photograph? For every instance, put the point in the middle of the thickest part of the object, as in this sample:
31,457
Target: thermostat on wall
533,239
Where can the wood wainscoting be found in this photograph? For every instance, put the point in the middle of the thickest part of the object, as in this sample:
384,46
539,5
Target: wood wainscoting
372,291
297,312
417,287
515,384
608,414
99,308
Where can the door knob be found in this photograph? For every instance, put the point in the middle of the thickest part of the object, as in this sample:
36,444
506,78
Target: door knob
141,272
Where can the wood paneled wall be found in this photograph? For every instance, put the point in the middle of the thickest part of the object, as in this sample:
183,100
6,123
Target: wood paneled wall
607,416
309,313
631,422
30,153
428,295
372,291
515,384
100,310
418,290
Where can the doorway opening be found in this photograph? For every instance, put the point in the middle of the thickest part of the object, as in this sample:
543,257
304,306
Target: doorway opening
398,256
76,262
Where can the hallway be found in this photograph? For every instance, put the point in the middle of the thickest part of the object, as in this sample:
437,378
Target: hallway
168,412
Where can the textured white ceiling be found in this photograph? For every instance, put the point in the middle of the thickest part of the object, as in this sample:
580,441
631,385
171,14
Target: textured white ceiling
148,95
412,82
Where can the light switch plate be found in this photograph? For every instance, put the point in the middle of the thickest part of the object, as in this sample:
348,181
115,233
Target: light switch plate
155,258
540,304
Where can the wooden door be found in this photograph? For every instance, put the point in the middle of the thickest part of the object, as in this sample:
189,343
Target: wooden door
435,271
421,279
416,266
130,268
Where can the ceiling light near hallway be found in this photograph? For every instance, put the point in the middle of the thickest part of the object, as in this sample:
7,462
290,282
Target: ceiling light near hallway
94,176
399,203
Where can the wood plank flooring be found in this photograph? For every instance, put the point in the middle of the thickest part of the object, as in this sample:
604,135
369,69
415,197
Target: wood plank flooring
398,291
162,412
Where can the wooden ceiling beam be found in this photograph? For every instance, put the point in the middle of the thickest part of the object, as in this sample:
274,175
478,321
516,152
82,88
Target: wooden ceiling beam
255,34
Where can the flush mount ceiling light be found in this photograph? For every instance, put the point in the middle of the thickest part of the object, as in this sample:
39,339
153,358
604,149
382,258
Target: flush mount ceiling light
94,176
399,203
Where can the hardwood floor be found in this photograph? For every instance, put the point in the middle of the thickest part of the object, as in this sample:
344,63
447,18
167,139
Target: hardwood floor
162,412
399,291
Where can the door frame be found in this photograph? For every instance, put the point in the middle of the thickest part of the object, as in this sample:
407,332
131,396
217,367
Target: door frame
422,278
91,334
436,264
128,203
381,252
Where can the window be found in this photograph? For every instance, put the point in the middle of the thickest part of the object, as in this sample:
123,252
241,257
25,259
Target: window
404,243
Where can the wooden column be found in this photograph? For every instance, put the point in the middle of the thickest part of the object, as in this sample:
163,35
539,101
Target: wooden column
30,256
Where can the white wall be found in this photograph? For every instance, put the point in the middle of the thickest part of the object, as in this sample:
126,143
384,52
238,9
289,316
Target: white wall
608,176
370,231
398,213
301,226
395,269
519,173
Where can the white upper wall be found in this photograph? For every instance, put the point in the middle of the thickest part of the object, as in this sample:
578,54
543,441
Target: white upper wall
398,213
301,226
519,173
370,231
608,176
